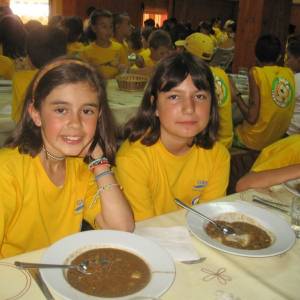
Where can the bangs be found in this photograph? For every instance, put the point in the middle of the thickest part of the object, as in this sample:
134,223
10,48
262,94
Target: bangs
179,70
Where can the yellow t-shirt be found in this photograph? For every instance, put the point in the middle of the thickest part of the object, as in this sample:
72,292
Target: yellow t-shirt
7,68
107,59
75,48
152,177
283,153
146,54
223,93
34,212
125,48
20,83
277,100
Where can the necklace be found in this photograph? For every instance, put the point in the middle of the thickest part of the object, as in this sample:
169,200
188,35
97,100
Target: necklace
52,156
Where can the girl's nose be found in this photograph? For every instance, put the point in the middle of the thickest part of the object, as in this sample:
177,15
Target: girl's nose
189,105
75,120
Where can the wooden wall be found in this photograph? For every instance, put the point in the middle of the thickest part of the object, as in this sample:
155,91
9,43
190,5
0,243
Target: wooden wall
295,16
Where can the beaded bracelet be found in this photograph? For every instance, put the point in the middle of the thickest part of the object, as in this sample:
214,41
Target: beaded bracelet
98,161
98,176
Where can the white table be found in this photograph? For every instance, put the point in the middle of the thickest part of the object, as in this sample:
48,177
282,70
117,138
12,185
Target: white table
221,276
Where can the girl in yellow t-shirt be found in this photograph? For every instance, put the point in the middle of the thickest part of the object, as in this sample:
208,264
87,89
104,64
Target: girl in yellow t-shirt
46,188
171,149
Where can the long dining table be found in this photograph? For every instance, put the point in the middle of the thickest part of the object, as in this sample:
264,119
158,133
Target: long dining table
221,276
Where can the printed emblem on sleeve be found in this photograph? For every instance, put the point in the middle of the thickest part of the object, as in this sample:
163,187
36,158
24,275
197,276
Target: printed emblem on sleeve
221,90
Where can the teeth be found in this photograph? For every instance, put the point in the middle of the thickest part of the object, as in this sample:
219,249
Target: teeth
72,138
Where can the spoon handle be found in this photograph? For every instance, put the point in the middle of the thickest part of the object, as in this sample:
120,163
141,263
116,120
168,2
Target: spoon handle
26,265
182,204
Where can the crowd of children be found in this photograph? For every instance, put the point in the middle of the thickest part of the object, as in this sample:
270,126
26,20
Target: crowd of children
59,163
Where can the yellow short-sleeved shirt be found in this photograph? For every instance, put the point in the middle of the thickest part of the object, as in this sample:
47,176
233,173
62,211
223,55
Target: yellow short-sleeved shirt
34,212
282,153
20,83
7,68
151,176
106,60
277,101
149,62
75,48
222,87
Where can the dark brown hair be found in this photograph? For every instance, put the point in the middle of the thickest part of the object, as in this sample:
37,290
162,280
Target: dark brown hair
27,136
170,72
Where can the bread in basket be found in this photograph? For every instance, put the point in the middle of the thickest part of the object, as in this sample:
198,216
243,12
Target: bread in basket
131,82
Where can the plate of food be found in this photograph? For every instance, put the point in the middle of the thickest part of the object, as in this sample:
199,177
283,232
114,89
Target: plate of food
293,186
121,265
260,233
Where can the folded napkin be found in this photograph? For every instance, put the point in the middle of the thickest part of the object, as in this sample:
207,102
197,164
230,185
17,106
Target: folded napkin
176,240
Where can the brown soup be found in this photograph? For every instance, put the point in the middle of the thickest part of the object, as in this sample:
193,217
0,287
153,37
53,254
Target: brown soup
114,273
249,237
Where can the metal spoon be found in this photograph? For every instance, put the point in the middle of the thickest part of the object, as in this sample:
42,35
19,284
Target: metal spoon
226,230
82,267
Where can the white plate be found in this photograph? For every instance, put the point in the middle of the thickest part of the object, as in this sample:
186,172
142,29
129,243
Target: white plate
291,186
284,235
161,264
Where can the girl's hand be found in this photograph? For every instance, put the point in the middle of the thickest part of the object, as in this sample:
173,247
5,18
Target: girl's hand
97,152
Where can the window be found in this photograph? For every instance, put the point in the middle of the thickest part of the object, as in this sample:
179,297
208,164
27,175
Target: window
31,10
159,18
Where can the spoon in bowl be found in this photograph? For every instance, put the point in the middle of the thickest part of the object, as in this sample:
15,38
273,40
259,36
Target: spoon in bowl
82,267
225,229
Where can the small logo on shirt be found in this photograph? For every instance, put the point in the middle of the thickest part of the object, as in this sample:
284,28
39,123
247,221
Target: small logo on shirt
79,205
221,90
282,92
198,187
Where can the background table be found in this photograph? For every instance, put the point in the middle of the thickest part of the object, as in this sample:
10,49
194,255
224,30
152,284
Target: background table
221,276
122,103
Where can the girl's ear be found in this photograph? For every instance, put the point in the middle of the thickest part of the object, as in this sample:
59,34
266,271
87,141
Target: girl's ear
35,115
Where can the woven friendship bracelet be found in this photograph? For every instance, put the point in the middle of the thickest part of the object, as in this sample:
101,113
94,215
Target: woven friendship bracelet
98,161
102,174
101,189
107,187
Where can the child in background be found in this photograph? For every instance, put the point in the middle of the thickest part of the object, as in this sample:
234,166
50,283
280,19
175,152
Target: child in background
7,68
46,188
107,56
122,31
73,27
276,164
271,98
160,44
171,149
202,46
43,45
293,62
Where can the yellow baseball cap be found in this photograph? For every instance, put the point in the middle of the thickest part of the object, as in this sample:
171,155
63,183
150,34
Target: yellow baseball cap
200,45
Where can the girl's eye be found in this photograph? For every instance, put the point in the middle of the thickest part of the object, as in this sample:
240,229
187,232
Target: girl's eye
200,97
60,110
88,111
173,97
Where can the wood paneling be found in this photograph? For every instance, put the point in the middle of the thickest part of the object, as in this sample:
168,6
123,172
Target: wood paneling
254,19
295,16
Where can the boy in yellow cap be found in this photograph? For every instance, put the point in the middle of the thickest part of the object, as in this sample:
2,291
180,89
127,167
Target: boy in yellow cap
201,45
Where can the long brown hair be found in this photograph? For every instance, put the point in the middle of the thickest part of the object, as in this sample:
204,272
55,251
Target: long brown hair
27,136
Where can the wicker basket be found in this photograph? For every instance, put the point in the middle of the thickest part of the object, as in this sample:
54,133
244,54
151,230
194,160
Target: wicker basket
131,82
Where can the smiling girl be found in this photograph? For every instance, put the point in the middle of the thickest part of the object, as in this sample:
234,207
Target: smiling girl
171,149
46,188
